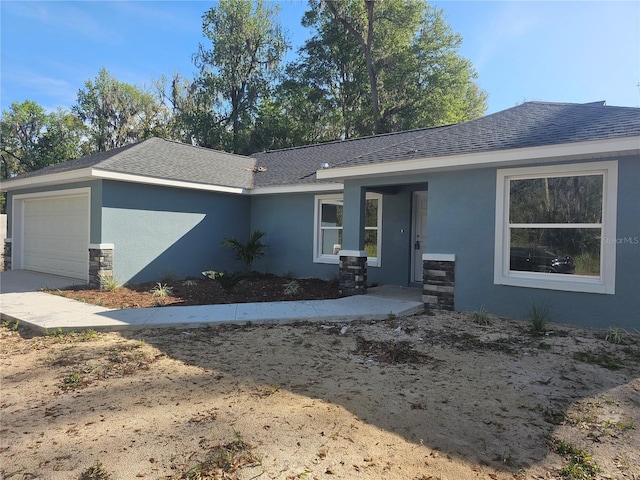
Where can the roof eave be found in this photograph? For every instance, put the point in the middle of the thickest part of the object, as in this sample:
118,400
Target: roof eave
127,177
510,157
298,188
80,175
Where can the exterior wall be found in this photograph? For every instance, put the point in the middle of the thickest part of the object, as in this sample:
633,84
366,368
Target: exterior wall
159,230
288,221
463,223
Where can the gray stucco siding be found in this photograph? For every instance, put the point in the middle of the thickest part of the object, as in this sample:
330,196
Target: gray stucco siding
288,220
461,220
160,230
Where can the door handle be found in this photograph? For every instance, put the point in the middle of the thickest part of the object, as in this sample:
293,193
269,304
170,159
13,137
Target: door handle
417,245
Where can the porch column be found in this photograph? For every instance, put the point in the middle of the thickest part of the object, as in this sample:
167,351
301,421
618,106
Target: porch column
353,257
438,281
100,264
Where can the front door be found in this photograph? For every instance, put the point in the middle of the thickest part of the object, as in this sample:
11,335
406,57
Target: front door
418,234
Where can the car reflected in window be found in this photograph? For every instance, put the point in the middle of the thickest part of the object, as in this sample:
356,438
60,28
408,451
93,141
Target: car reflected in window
537,259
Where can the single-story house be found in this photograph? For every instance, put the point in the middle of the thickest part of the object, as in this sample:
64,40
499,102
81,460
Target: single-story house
538,204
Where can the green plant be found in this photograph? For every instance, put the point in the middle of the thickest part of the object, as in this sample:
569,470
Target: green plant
292,288
109,282
227,280
538,319
72,381
95,472
615,335
189,283
580,467
481,317
248,252
161,290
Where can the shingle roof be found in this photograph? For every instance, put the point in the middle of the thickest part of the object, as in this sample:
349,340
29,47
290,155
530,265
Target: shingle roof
166,160
531,124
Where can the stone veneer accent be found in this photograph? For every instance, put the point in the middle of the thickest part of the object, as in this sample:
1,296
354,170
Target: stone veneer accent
7,254
353,272
100,264
439,281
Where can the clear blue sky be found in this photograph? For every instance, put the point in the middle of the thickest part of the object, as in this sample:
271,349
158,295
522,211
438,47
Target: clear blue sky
552,50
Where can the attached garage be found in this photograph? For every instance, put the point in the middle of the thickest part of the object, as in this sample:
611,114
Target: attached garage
52,234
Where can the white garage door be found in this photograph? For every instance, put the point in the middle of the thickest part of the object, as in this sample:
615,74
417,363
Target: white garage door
56,235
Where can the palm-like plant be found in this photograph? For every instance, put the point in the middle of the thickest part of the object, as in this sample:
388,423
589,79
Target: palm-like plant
248,252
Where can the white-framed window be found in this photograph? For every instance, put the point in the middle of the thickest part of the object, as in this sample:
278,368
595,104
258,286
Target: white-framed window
329,224
556,227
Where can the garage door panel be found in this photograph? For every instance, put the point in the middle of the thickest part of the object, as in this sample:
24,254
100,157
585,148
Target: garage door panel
56,235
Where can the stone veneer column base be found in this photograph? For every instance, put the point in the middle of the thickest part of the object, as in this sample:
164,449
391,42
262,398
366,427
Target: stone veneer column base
8,244
439,281
353,272
100,264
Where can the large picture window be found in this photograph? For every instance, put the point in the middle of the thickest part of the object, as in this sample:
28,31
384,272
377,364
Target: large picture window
329,223
554,225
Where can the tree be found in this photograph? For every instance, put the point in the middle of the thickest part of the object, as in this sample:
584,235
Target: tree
118,113
31,138
247,46
407,56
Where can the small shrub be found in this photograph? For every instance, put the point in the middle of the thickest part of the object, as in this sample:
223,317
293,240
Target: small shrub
227,280
292,288
248,252
72,381
615,335
161,290
481,317
109,282
189,283
538,319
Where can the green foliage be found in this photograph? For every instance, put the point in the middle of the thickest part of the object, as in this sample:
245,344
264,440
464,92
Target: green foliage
161,290
481,317
581,465
615,335
227,280
247,46
109,282
72,381
248,252
388,66
118,113
31,138
538,319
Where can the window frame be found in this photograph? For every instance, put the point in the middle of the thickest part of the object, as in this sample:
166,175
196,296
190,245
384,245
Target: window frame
318,256
605,282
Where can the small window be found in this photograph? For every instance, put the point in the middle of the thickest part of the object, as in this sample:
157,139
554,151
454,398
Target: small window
329,224
552,224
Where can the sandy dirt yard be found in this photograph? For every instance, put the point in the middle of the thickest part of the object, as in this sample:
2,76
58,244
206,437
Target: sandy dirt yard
444,396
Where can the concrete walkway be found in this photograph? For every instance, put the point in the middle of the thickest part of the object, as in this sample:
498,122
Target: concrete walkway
21,301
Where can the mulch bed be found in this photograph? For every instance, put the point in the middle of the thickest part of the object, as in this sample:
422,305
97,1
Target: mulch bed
256,288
